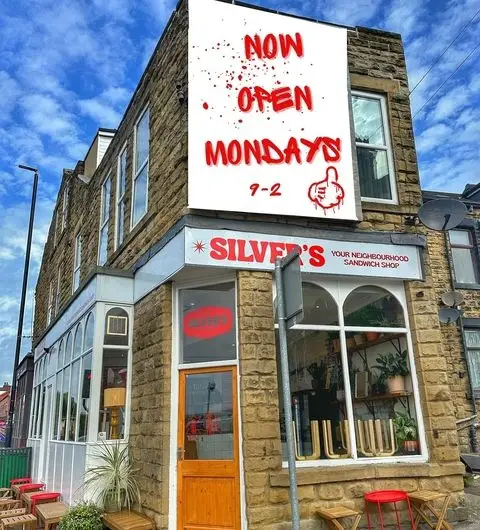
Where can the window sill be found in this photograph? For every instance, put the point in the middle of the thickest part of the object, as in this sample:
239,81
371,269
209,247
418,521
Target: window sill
468,286
349,473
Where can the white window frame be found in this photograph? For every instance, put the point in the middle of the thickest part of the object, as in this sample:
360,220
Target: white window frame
77,262
136,173
473,358
55,233
120,198
50,307
104,220
65,208
340,289
387,147
58,292
472,247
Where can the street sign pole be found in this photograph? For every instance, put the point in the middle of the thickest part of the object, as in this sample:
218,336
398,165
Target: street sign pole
289,264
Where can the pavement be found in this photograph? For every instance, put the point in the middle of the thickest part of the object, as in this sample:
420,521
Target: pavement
472,504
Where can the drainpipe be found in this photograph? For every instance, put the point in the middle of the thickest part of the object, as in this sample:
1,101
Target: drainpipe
473,426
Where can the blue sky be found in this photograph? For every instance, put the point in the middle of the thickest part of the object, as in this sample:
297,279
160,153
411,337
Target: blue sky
68,67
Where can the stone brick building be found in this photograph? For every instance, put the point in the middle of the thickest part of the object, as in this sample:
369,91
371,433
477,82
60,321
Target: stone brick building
456,266
155,310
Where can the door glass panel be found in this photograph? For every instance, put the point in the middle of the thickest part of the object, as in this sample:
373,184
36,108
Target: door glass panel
208,323
208,416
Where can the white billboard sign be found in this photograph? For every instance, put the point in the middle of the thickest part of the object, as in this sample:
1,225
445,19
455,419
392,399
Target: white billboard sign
244,250
268,114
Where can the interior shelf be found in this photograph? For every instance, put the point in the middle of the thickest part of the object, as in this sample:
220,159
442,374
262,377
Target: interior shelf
385,338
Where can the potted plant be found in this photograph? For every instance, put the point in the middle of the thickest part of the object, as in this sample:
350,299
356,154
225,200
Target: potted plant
83,516
318,371
112,481
406,432
393,368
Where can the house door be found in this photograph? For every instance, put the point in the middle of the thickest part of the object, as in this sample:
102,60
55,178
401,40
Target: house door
208,496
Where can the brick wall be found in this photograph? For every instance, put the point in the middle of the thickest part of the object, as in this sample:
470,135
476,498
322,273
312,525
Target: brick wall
150,415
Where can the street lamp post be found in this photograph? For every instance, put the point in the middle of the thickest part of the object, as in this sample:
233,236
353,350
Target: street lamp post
8,438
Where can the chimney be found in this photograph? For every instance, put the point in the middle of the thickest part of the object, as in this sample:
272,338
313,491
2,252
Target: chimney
95,152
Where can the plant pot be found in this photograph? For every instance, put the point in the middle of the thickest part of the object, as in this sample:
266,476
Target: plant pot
351,343
372,335
396,385
410,446
359,339
111,504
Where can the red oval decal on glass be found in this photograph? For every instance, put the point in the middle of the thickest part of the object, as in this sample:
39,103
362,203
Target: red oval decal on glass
208,322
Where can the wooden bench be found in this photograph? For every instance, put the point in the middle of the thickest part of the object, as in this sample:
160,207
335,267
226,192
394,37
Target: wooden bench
128,520
50,513
332,516
19,522
12,513
9,504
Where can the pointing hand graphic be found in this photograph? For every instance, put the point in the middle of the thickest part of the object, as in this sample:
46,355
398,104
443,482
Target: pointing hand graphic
327,193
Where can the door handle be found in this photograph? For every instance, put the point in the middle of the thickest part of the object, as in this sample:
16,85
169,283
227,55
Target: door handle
180,453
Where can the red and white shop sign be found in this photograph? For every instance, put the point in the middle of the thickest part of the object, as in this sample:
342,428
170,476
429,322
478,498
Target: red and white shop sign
268,114
243,250
208,322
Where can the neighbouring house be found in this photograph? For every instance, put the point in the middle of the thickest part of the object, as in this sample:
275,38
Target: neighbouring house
155,305
4,409
23,401
455,259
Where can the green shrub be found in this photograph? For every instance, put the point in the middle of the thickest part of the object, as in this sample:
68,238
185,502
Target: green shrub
84,516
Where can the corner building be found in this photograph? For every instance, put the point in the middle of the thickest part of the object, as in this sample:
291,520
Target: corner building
155,312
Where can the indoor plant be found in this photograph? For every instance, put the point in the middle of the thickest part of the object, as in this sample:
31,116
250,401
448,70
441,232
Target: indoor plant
393,368
318,371
406,431
83,516
112,481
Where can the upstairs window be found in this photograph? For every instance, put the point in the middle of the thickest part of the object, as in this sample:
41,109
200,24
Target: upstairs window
140,170
120,206
104,218
64,208
50,304
374,152
465,264
58,292
55,233
77,262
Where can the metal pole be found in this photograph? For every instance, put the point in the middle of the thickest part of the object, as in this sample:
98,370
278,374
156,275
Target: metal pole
287,402
8,438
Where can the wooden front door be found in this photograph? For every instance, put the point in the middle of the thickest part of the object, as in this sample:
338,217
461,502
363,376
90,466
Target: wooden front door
208,466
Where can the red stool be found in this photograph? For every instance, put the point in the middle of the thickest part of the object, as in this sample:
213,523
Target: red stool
42,498
384,497
16,481
27,488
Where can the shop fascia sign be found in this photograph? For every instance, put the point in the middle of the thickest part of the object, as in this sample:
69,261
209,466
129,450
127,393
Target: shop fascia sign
268,114
244,250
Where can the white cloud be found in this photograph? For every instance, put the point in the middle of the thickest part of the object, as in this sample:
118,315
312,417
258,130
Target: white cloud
432,137
106,108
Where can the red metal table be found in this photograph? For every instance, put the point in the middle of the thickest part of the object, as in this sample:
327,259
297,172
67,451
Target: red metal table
386,497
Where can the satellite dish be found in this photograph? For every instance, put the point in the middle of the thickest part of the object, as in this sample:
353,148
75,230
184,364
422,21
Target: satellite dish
448,314
452,298
442,214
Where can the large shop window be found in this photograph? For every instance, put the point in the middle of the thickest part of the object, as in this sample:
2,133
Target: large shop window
113,396
465,264
351,384
374,153
140,172
208,330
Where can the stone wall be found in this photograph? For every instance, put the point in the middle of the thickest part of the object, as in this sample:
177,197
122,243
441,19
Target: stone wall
267,492
150,413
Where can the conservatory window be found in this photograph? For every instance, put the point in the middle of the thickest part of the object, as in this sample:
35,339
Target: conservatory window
351,384
113,395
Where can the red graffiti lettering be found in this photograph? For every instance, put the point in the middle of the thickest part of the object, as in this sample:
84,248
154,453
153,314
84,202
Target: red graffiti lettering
271,45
